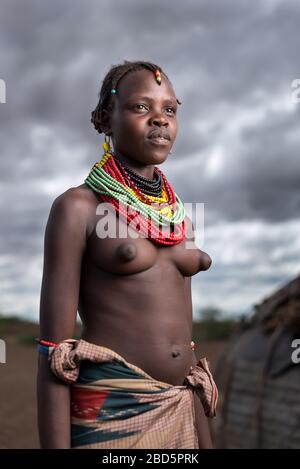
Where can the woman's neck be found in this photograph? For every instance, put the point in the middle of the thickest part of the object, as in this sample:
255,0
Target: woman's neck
145,170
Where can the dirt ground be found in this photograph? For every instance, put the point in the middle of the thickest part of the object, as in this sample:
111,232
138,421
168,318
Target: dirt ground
18,411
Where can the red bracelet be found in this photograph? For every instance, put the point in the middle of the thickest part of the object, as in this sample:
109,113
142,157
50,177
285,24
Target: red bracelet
46,343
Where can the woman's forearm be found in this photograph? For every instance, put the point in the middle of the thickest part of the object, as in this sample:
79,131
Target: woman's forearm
53,398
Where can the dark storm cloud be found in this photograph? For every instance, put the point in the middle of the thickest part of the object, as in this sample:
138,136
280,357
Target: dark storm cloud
231,63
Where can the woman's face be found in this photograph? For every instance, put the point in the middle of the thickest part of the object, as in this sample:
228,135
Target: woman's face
143,122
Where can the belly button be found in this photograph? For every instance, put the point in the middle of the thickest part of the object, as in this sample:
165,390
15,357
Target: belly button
175,353
127,252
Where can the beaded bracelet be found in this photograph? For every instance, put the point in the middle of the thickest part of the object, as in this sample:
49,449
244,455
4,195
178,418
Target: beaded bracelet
43,346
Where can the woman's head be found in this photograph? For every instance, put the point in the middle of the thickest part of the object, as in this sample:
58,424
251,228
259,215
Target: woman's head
140,113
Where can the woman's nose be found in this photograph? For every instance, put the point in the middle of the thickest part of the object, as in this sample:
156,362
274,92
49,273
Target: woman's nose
159,120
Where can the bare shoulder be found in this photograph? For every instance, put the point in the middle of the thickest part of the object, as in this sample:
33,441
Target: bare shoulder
80,197
74,206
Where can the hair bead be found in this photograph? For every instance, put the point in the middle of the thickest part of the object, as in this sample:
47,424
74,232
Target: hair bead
157,76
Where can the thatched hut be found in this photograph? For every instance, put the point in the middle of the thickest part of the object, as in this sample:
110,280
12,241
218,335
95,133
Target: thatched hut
258,380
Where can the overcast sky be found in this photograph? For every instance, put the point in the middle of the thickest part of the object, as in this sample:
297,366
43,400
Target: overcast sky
231,62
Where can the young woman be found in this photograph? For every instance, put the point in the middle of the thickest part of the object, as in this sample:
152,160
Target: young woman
132,380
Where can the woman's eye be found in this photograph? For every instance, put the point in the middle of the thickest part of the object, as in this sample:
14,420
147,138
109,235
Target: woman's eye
140,106
172,110
169,110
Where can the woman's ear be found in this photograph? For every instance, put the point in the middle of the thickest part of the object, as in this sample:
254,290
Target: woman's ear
105,122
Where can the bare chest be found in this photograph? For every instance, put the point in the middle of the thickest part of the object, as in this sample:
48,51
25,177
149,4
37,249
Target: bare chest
113,247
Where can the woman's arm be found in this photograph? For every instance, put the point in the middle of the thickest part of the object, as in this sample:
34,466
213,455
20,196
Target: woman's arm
64,244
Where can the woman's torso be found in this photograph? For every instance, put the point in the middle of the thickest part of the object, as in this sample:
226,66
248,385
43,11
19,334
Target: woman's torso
133,299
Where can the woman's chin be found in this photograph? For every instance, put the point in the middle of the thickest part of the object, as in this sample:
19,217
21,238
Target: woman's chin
156,157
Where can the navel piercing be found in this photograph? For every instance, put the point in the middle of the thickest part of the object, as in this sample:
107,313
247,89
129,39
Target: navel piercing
113,91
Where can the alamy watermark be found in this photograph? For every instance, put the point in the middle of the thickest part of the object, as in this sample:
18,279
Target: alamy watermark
112,226
2,351
296,353
2,91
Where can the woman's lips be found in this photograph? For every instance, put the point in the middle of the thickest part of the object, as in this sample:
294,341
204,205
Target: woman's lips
159,140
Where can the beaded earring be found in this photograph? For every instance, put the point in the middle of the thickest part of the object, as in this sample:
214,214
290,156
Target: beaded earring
106,145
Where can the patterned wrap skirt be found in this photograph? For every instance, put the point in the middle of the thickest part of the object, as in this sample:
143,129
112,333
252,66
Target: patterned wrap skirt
115,404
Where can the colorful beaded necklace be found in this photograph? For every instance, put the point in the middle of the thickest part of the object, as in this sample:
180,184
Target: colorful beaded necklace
150,213
147,186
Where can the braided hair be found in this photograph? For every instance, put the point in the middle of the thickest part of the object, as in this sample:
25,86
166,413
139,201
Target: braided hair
111,80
